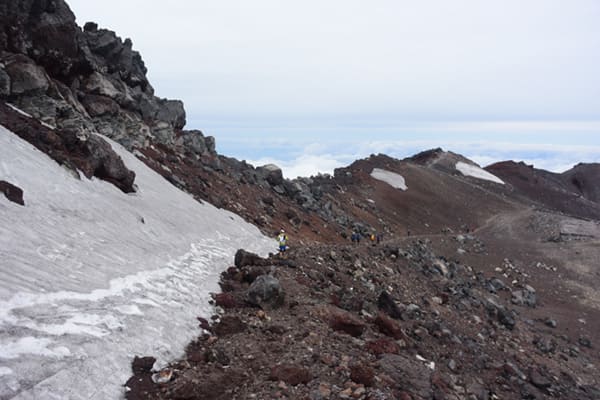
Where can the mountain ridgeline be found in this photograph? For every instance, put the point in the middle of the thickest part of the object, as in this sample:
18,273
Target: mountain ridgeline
83,80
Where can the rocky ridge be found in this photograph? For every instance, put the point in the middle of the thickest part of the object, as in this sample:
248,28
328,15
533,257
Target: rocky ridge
395,321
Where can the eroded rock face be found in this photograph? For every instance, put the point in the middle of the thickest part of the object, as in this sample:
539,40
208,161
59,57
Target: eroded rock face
89,154
26,77
89,79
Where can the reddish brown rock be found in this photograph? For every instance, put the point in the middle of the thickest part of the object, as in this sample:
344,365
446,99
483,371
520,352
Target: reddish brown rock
348,323
382,346
362,374
225,300
290,374
389,327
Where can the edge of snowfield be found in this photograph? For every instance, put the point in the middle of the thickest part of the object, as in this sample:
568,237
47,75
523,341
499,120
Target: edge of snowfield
92,277
476,172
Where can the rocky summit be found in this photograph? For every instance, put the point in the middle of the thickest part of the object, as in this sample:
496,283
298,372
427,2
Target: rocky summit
423,278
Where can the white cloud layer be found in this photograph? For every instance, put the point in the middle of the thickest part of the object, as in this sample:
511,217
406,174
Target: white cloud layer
319,158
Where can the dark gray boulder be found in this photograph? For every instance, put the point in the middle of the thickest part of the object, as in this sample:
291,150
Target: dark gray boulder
196,143
266,292
245,258
172,112
386,303
107,165
12,192
271,173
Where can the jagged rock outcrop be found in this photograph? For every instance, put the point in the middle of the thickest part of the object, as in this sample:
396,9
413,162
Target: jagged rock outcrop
73,149
585,180
86,79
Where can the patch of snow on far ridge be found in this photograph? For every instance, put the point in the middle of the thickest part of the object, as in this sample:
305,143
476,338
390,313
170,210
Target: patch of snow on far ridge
476,172
391,178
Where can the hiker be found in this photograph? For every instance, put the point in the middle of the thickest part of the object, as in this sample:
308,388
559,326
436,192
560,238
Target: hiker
372,238
282,241
353,237
379,237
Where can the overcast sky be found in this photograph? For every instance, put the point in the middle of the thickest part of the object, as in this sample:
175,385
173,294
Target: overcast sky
313,85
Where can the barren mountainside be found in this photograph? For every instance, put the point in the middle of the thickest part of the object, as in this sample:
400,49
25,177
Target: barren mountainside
482,283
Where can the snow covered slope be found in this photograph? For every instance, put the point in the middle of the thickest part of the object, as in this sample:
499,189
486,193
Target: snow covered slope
391,178
476,172
91,276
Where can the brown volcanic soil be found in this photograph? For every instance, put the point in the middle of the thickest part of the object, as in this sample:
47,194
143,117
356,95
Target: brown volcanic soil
434,200
573,193
450,333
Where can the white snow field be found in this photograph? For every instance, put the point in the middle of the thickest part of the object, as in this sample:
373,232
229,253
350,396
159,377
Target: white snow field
91,277
391,178
476,172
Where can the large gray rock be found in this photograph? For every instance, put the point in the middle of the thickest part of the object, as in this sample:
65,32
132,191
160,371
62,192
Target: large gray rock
408,373
194,142
172,112
97,105
271,173
124,128
26,77
501,313
266,292
99,84
108,52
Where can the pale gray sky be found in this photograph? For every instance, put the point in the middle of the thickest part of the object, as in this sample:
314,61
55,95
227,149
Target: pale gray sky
327,80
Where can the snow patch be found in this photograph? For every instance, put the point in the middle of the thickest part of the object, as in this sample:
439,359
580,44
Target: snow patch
19,110
129,310
391,178
476,172
86,285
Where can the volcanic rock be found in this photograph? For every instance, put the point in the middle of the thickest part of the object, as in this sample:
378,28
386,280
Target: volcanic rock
290,374
12,192
266,291
244,258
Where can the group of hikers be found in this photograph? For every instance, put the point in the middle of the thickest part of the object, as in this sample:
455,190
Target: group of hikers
356,237
374,238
